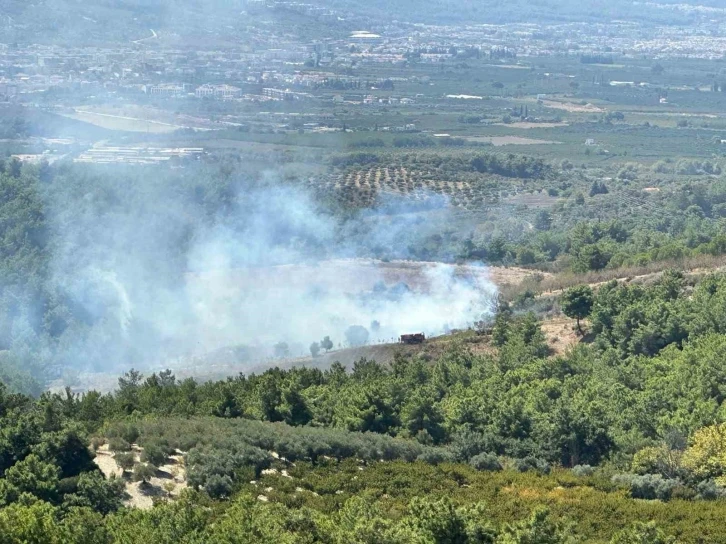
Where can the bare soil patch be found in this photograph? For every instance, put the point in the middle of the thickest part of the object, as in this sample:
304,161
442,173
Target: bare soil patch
122,123
572,107
499,141
529,125
345,275
133,118
560,333
169,481
534,200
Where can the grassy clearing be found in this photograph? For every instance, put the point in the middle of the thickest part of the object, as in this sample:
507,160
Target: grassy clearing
554,284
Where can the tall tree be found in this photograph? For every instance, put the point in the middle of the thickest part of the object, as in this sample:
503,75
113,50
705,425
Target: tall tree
576,303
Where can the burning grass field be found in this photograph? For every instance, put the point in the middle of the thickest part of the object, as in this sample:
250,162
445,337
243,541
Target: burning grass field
356,275
346,277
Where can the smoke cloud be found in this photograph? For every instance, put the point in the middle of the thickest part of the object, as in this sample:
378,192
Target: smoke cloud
272,269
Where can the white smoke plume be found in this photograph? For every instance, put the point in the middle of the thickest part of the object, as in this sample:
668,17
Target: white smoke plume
272,269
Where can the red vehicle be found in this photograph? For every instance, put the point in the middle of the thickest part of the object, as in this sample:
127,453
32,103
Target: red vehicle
418,338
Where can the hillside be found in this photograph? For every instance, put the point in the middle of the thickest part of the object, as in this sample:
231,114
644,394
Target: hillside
174,21
148,22
496,445
546,11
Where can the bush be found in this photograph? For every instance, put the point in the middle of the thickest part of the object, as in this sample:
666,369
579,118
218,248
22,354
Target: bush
683,492
126,431
143,472
154,454
118,444
647,486
125,460
218,487
642,533
532,463
486,461
436,456
465,444
710,491
582,471
645,461
67,486
94,491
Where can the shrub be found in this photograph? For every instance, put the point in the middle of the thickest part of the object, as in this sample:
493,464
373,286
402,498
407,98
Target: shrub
647,486
218,487
486,461
467,443
709,490
154,454
645,461
126,431
67,486
436,456
683,493
125,460
582,471
94,491
118,444
143,472
532,463
642,533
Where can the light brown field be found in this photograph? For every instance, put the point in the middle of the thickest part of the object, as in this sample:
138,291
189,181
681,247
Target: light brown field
341,274
533,200
572,107
122,123
529,125
337,275
499,141
133,118
560,334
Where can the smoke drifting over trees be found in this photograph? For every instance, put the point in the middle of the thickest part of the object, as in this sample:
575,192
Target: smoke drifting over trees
139,270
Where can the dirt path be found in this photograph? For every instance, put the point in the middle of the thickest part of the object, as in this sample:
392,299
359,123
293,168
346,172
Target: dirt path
105,461
640,278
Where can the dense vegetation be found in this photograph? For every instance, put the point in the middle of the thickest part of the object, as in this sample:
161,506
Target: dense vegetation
495,440
653,351
584,163
451,450
584,225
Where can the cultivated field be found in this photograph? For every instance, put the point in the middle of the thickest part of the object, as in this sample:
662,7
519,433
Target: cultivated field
122,123
499,141
133,118
363,187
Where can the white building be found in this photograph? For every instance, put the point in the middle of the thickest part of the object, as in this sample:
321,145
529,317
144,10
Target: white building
224,92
